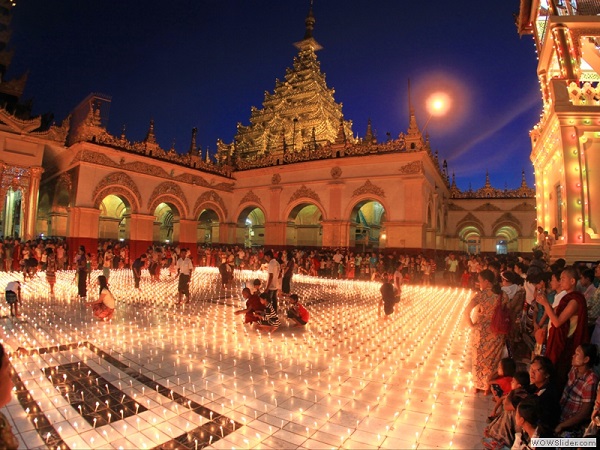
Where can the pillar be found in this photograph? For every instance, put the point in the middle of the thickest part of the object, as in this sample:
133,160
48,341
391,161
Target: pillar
141,228
188,237
82,229
404,234
336,233
31,207
227,232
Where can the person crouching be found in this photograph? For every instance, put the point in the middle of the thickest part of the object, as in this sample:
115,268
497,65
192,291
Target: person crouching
297,313
104,307
267,320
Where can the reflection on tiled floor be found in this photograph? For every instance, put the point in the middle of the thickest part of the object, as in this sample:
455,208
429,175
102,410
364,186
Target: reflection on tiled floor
161,376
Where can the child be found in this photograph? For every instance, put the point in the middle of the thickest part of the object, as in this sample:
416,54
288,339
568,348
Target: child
500,384
465,279
13,297
268,319
519,380
297,312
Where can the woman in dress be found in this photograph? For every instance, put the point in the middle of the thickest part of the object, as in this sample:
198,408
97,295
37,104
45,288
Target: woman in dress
104,307
487,345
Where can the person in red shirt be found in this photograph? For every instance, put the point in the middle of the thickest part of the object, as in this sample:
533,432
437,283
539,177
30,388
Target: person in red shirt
297,313
253,305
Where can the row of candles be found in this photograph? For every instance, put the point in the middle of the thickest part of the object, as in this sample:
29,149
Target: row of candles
346,359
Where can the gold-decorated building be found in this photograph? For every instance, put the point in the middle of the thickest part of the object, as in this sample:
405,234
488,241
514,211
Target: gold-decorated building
297,175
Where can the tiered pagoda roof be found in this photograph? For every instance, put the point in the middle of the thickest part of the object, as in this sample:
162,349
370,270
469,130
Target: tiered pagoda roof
300,115
488,191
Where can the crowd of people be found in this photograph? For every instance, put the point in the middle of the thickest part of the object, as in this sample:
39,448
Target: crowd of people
552,310
553,333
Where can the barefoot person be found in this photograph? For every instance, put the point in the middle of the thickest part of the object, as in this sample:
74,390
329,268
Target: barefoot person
13,297
297,313
104,307
253,304
268,319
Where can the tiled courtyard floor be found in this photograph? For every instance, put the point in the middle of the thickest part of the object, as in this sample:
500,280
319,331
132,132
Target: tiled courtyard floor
160,376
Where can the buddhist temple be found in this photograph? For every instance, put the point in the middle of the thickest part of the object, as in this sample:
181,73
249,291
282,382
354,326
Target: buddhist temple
298,174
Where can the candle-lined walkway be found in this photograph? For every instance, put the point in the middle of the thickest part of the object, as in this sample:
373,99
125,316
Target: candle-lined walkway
196,376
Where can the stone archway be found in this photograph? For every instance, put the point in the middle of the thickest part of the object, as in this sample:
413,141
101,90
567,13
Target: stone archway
250,227
304,225
470,239
208,226
507,239
166,223
115,216
367,229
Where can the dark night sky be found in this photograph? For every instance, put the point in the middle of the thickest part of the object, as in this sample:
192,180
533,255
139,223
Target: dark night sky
204,63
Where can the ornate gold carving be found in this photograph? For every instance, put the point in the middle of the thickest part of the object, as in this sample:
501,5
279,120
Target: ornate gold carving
412,168
250,197
304,192
276,178
120,184
147,169
369,188
336,172
210,197
174,195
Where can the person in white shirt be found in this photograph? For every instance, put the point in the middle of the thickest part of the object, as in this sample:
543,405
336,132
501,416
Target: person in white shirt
185,267
274,279
13,297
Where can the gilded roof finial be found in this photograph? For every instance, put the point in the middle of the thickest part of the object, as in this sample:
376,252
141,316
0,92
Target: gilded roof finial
370,136
123,133
309,41
207,156
523,181
150,134
309,22
193,149
453,180
487,179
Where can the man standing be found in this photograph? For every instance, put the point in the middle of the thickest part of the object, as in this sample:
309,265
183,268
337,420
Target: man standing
452,268
185,267
137,267
273,280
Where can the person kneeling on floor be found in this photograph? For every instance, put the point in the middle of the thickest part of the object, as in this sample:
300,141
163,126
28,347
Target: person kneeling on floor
297,313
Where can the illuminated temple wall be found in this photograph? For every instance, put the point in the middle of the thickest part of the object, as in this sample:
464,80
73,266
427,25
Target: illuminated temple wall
319,186
566,141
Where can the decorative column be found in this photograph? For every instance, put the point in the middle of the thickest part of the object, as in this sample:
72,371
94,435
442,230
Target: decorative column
275,229
30,208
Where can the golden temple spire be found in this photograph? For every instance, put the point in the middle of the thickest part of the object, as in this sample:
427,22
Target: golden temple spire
309,40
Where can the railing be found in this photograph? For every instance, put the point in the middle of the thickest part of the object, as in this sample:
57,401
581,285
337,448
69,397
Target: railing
577,7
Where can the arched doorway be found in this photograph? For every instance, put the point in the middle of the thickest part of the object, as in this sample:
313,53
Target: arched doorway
470,240
250,228
507,240
12,217
367,231
166,223
304,226
115,214
208,227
